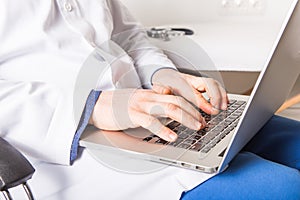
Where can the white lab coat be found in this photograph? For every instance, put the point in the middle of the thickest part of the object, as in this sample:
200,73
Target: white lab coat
43,47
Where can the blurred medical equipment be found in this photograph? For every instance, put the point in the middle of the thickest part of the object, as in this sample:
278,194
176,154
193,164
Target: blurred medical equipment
167,33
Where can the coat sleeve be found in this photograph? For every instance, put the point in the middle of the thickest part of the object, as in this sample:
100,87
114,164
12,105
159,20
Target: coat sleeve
132,37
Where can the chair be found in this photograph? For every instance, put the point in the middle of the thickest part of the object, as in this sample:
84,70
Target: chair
290,102
14,170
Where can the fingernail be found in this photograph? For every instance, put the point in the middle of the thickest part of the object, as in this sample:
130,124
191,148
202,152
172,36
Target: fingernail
197,125
204,124
224,106
215,110
172,136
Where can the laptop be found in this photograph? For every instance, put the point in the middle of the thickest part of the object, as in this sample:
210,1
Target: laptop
210,150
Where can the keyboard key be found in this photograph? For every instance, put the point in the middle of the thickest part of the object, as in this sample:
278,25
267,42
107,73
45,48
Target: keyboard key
235,123
218,139
205,150
176,142
233,117
231,127
236,114
184,146
227,131
183,135
198,146
161,141
212,134
222,135
231,101
229,120
239,111
201,132
189,131
212,144
190,141
197,137
181,128
173,124
204,141
147,139
218,129
209,136
240,102
230,110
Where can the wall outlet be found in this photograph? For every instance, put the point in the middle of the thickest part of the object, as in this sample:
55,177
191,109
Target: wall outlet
242,7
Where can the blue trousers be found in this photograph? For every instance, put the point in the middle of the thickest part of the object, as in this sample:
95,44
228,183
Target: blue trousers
267,168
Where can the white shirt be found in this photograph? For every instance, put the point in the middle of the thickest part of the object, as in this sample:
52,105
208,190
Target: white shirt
43,46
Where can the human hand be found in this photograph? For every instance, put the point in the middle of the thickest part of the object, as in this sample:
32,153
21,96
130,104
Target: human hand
131,108
190,87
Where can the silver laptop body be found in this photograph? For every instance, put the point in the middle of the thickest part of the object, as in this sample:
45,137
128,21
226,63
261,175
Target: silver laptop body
271,90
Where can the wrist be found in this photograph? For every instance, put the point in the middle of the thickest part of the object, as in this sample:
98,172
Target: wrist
162,74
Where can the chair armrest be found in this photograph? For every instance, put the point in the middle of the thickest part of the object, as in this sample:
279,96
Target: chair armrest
288,103
14,169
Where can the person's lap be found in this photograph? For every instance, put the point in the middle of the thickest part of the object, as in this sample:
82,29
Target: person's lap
267,168
278,141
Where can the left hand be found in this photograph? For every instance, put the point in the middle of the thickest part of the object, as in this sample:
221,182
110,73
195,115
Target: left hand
191,88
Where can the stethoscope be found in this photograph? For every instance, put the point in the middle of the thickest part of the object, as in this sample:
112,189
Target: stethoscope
167,33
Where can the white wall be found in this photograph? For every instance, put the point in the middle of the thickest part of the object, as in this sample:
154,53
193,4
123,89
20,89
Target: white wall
160,12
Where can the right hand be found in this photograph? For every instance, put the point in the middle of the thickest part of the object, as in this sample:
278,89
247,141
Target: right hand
131,108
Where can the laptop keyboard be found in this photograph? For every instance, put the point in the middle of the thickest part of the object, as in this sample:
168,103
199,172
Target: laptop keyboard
218,127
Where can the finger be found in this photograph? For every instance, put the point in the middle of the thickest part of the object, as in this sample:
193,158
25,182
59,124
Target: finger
203,104
160,89
225,99
213,91
188,90
181,103
196,98
174,112
163,102
214,96
154,125
217,94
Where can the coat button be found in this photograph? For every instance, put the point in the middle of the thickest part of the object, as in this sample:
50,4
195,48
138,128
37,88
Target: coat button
68,7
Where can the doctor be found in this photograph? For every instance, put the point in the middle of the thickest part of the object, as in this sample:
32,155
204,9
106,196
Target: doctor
43,46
